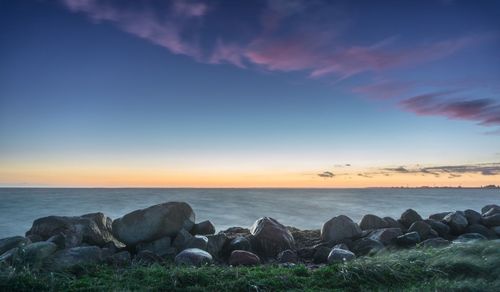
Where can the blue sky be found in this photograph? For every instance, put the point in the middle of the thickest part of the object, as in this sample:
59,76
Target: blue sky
246,89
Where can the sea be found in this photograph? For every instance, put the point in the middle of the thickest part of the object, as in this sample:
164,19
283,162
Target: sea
301,208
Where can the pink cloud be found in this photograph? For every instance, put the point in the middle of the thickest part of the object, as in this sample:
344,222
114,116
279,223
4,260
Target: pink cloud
484,111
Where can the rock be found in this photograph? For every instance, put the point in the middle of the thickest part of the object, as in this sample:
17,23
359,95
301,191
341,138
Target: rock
496,229
35,253
203,228
442,229
288,256
466,237
271,236
386,235
393,223
491,221
492,211
341,246
339,228
423,229
457,222
216,243
338,255
371,221
198,241
472,216
409,217
439,216
366,246
435,242
120,259
321,254
146,258
488,207
75,257
239,243
235,231
9,243
182,240
87,229
59,240
243,258
154,222
481,229
161,246
193,257
306,252
408,239
8,256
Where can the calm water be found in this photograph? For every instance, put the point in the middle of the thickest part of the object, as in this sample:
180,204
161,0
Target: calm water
303,208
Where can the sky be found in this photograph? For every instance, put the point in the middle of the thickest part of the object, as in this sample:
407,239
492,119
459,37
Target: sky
263,93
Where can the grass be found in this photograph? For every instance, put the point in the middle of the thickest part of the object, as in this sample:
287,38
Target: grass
464,267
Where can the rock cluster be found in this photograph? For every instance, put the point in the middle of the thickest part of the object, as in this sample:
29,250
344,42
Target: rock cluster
169,232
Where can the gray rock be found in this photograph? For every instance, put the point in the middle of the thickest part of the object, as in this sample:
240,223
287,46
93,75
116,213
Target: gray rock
393,223
155,222
193,257
339,228
472,216
386,236
146,258
243,258
442,229
488,207
435,242
371,221
408,239
87,229
492,211
423,229
34,238
8,256
439,216
75,257
120,259
466,237
496,229
321,254
341,246
203,228
271,237
457,222
161,246
366,246
216,243
198,241
481,229
491,221
182,240
409,217
288,256
338,255
35,253
239,243
9,243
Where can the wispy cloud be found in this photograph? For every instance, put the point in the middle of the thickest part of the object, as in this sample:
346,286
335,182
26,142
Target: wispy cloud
326,174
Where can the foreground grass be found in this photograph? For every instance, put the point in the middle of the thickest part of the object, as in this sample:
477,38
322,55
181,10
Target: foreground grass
465,267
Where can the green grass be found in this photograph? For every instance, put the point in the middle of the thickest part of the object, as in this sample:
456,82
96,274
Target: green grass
465,267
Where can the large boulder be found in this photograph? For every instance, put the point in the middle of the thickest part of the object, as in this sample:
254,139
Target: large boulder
386,235
35,253
366,246
489,207
216,243
75,257
161,246
154,222
393,223
457,222
321,254
287,256
491,221
409,217
371,221
340,228
193,257
203,228
423,229
9,243
472,216
243,258
442,229
92,229
438,216
337,255
481,229
271,237
408,239
238,243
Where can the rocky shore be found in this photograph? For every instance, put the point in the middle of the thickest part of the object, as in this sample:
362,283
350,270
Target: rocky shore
169,232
